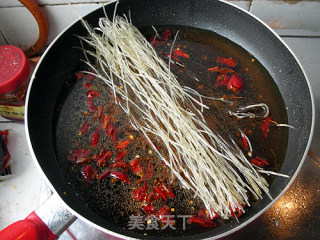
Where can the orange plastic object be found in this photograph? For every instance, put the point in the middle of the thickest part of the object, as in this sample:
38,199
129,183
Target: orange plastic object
43,27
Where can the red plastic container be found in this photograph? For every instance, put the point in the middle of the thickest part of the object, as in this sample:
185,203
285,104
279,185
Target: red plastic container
14,79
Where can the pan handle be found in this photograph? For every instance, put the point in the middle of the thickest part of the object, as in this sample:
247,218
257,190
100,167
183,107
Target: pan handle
48,222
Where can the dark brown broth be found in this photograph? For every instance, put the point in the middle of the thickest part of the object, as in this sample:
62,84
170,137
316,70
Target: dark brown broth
114,200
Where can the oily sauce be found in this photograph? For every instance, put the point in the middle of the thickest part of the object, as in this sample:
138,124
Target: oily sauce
111,196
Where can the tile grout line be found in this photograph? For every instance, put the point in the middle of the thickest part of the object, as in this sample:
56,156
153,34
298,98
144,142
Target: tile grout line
74,3
298,36
59,4
250,4
4,37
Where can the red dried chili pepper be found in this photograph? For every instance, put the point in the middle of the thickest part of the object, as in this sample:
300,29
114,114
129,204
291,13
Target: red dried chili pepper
166,35
87,85
87,173
161,193
122,145
244,141
214,69
201,221
79,156
135,165
121,176
149,209
235,83
91,106
83,157
150,196
90,77
165,216
260,162
86,113
236,213
104,158
107,155
80,75
181,53
102,151
265,126
119,164
92,94
167,190
120,155
204,213
203,218
221,70
84,128
106,122
222,79
173,56
110,129
230,62
155,42
140,193
156,196
95,137
104,175
100,114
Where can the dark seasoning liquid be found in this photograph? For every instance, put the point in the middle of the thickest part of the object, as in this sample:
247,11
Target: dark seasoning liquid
112,200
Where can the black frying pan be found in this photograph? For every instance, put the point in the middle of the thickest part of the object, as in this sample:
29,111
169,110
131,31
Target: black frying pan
62,59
